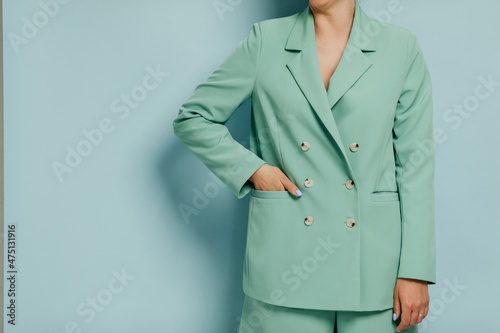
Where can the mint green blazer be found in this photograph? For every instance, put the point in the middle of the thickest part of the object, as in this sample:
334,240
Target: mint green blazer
362,153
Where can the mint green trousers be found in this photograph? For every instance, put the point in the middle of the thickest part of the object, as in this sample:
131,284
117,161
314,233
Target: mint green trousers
261,317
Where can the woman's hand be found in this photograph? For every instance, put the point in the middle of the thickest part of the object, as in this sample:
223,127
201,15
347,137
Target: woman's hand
271,178
411,297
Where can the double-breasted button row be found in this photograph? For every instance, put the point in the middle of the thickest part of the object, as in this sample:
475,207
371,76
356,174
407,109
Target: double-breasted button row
350,222
309,183
305,146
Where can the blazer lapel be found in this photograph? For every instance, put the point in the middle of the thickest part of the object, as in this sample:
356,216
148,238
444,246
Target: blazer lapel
354,63
304,67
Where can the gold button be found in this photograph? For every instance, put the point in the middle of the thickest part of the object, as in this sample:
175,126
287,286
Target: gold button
354,146
305,146
308,182
349,184
308,220
350,222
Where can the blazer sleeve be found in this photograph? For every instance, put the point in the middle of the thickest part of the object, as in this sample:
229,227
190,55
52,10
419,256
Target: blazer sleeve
200,123
414,155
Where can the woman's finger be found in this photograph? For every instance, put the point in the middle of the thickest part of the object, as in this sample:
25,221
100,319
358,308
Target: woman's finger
423,310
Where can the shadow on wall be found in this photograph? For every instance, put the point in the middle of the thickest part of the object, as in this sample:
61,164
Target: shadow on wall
216,224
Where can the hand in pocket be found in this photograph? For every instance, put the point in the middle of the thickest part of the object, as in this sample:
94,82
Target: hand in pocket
271,178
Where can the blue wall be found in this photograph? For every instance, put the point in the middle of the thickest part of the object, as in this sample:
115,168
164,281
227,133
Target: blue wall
101,243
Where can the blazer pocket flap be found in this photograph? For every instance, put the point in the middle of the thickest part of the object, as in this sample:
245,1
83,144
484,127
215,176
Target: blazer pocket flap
271,194
385,196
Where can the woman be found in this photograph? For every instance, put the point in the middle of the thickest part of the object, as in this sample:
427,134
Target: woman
340,169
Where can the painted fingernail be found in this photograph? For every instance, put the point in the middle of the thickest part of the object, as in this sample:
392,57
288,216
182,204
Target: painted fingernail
298,193
394,316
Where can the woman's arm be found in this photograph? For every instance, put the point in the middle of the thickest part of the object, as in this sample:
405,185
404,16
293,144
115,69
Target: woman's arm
200,123
414,152
414,155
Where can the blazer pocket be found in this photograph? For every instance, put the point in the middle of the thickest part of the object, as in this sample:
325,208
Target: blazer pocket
385,196
271,194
